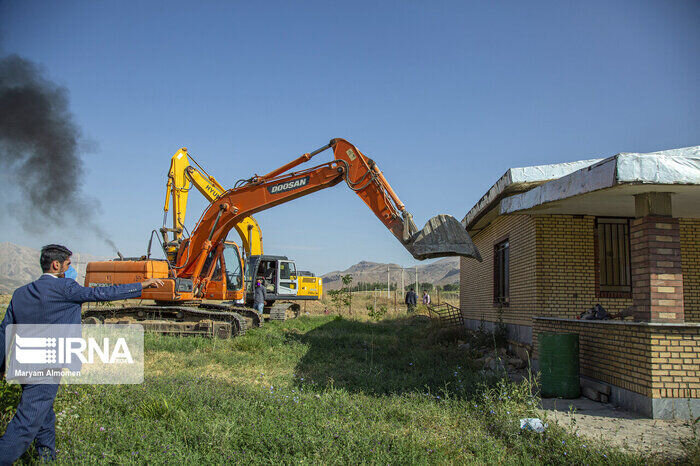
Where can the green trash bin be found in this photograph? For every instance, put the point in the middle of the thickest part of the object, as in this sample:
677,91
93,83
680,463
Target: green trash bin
559,371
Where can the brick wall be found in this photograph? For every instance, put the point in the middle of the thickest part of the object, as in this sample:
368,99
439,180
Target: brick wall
690,264
566,278
476,278
552,269
654,360
675,362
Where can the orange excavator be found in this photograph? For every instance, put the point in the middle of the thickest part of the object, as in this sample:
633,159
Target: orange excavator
206,267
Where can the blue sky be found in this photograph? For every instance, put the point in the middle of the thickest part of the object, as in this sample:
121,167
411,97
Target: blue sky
445,96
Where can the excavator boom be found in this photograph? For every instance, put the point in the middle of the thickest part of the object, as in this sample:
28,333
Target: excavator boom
442,236
181,177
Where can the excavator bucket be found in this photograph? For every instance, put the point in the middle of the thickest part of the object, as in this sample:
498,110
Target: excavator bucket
442,236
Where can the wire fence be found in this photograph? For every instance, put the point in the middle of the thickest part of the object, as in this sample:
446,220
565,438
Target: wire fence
395,299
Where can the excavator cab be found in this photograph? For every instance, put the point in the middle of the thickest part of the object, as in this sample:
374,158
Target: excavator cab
277,273
226,282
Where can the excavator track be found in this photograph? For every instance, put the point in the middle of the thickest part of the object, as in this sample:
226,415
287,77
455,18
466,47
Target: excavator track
174,320
253,319
281,311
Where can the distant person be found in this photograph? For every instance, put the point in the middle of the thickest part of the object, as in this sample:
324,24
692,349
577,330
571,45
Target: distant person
51,299
71,273
426,298
411,300
259,296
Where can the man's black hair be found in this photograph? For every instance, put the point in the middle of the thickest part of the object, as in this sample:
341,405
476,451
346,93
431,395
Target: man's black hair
53,252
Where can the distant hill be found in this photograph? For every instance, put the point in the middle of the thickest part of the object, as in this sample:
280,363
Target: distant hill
19,265
442,272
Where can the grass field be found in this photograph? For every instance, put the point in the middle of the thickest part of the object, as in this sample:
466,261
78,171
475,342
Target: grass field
320,389
393,302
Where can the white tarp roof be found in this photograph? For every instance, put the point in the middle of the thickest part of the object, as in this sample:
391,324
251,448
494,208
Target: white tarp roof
521,179
527,187
669,167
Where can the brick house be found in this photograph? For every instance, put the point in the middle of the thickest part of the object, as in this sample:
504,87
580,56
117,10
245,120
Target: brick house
623,232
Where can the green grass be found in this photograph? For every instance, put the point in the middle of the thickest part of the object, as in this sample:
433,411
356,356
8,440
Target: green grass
312,390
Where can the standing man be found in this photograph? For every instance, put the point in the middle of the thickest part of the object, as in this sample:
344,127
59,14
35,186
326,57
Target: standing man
51,299
426,298
259,297
411,300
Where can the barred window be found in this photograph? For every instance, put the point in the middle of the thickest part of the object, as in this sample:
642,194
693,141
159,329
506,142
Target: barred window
613,238
501,285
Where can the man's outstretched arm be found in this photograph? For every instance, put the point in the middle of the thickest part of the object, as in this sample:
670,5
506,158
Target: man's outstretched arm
83,294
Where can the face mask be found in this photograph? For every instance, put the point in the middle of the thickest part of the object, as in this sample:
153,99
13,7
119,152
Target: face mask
71,273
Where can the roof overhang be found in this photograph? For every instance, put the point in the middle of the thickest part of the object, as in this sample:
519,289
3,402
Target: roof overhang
616,201
515,181
594,187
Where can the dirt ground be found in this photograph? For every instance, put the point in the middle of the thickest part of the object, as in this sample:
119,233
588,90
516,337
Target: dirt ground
619,427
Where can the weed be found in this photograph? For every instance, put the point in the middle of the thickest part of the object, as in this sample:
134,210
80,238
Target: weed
500,333
376,314
9,397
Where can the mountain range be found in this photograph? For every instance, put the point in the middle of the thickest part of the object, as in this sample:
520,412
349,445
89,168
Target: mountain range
19,265
442,272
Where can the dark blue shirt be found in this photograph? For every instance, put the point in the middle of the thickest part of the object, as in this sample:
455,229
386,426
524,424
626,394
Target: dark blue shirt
51,300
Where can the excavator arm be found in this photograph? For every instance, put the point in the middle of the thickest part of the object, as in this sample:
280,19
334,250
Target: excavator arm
442,236
181,177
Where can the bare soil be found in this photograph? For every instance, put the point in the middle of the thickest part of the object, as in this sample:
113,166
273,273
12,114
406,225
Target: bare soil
620,427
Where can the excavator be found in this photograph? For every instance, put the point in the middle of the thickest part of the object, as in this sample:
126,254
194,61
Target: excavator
181,177
205,266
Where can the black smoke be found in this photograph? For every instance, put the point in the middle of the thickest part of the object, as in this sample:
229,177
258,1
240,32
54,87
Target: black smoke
40,152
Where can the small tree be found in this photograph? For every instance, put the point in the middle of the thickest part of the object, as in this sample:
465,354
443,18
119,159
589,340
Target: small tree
336,299
343,296
347,298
